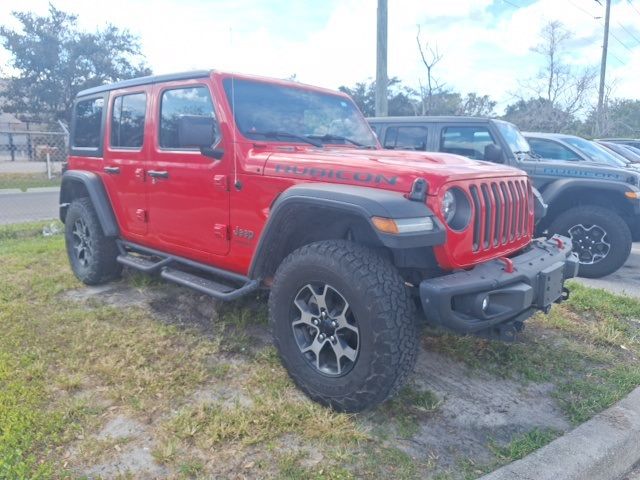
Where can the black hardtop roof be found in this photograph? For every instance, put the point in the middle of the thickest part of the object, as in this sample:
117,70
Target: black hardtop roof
134,82
432,119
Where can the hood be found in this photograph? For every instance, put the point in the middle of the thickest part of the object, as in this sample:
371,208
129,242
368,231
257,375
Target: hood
389,169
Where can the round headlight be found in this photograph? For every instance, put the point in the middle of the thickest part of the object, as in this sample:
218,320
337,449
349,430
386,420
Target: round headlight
456,209
448,206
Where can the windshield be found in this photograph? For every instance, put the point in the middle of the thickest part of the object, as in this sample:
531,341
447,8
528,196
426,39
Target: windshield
595,152
264,110
517,143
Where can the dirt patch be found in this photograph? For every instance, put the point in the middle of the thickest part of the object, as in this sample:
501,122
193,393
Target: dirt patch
137,461
126,449
476,409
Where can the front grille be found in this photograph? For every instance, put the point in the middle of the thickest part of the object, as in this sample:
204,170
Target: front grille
501,213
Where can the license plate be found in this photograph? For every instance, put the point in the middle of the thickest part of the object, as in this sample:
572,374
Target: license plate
550,282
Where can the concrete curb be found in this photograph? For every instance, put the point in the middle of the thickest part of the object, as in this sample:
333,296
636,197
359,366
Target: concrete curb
43,189
12,191
604,448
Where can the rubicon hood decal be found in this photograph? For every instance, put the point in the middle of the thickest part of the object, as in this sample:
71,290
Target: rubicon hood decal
320,173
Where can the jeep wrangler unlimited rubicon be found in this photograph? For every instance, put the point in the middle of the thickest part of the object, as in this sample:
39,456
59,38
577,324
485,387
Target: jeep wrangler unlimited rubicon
228,183
596,205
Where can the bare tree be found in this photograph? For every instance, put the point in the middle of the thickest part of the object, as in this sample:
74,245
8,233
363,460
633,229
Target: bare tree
430,58
560,91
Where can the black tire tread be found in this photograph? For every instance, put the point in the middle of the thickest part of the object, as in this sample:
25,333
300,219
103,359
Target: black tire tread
105,268
395,362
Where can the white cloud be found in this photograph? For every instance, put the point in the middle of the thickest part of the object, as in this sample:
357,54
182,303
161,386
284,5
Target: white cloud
486,44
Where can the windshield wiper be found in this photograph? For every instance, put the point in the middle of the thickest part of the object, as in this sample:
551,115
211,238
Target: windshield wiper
527,152
278,134
328,137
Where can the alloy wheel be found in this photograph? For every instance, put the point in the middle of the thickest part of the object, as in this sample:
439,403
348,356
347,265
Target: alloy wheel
325,329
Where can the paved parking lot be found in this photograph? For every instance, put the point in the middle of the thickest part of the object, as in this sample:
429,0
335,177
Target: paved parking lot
28,206
625,281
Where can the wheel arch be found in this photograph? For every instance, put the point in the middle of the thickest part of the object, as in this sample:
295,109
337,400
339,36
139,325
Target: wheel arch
81,183
336,212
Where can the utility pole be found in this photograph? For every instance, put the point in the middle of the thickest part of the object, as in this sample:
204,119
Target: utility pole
603,69
382,107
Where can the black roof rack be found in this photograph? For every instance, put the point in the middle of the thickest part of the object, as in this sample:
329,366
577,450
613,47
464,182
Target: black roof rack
134,82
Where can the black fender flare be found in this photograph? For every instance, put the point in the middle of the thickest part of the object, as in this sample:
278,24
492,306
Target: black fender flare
561,186
97,194
362,202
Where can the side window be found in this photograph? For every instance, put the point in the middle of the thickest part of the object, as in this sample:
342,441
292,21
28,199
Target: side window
550,150
88,123
406,138
179,102
467,141
127,120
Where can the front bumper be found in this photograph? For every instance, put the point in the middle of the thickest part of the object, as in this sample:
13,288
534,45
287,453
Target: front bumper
501,290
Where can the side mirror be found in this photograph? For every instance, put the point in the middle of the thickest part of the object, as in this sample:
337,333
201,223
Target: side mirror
196,131
493,153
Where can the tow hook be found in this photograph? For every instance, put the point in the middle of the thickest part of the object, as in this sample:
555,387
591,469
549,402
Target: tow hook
508,264
564,296
559,242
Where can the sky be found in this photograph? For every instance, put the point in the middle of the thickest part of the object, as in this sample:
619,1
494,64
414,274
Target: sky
485,44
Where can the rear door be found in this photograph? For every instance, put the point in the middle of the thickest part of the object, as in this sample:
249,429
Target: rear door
125,157
468,140
188,192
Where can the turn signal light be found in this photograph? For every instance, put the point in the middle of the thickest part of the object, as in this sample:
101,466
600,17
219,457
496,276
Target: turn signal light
403,225
386,225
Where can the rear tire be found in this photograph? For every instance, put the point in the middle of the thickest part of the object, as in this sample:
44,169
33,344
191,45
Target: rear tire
91,254
343,324
600,237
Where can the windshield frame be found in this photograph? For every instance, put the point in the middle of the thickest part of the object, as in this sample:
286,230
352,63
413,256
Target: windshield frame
521,144
280,136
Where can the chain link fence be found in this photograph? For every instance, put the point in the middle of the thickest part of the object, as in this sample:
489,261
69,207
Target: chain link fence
30,169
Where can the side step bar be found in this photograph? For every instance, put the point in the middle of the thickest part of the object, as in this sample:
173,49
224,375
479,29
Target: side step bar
194,281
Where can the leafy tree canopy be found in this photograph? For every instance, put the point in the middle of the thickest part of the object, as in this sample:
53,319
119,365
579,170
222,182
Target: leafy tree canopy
54,60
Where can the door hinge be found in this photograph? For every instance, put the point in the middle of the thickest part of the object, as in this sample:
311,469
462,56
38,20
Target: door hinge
221,182
141,214
221,231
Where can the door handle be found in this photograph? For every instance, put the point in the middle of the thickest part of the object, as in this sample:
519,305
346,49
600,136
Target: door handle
158,173
112,170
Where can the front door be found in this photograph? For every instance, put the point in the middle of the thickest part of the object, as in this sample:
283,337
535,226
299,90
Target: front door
188,192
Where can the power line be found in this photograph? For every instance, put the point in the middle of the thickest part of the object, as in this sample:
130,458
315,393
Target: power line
584,11
620,41
629,32
512,4
611,33
633,6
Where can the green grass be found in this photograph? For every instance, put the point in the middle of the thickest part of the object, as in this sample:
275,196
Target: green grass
523,445
65,365
408,407
23,181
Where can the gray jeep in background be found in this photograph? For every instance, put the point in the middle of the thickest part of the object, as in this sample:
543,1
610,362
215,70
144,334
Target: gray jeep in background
596,204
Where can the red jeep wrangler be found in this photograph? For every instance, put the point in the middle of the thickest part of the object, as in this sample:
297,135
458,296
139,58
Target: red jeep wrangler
229,183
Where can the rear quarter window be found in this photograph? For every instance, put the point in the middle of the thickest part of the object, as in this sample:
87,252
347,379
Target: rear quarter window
87,128
406,138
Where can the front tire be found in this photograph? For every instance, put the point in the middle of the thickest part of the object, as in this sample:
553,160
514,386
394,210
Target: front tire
91,254
343,324
600,237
